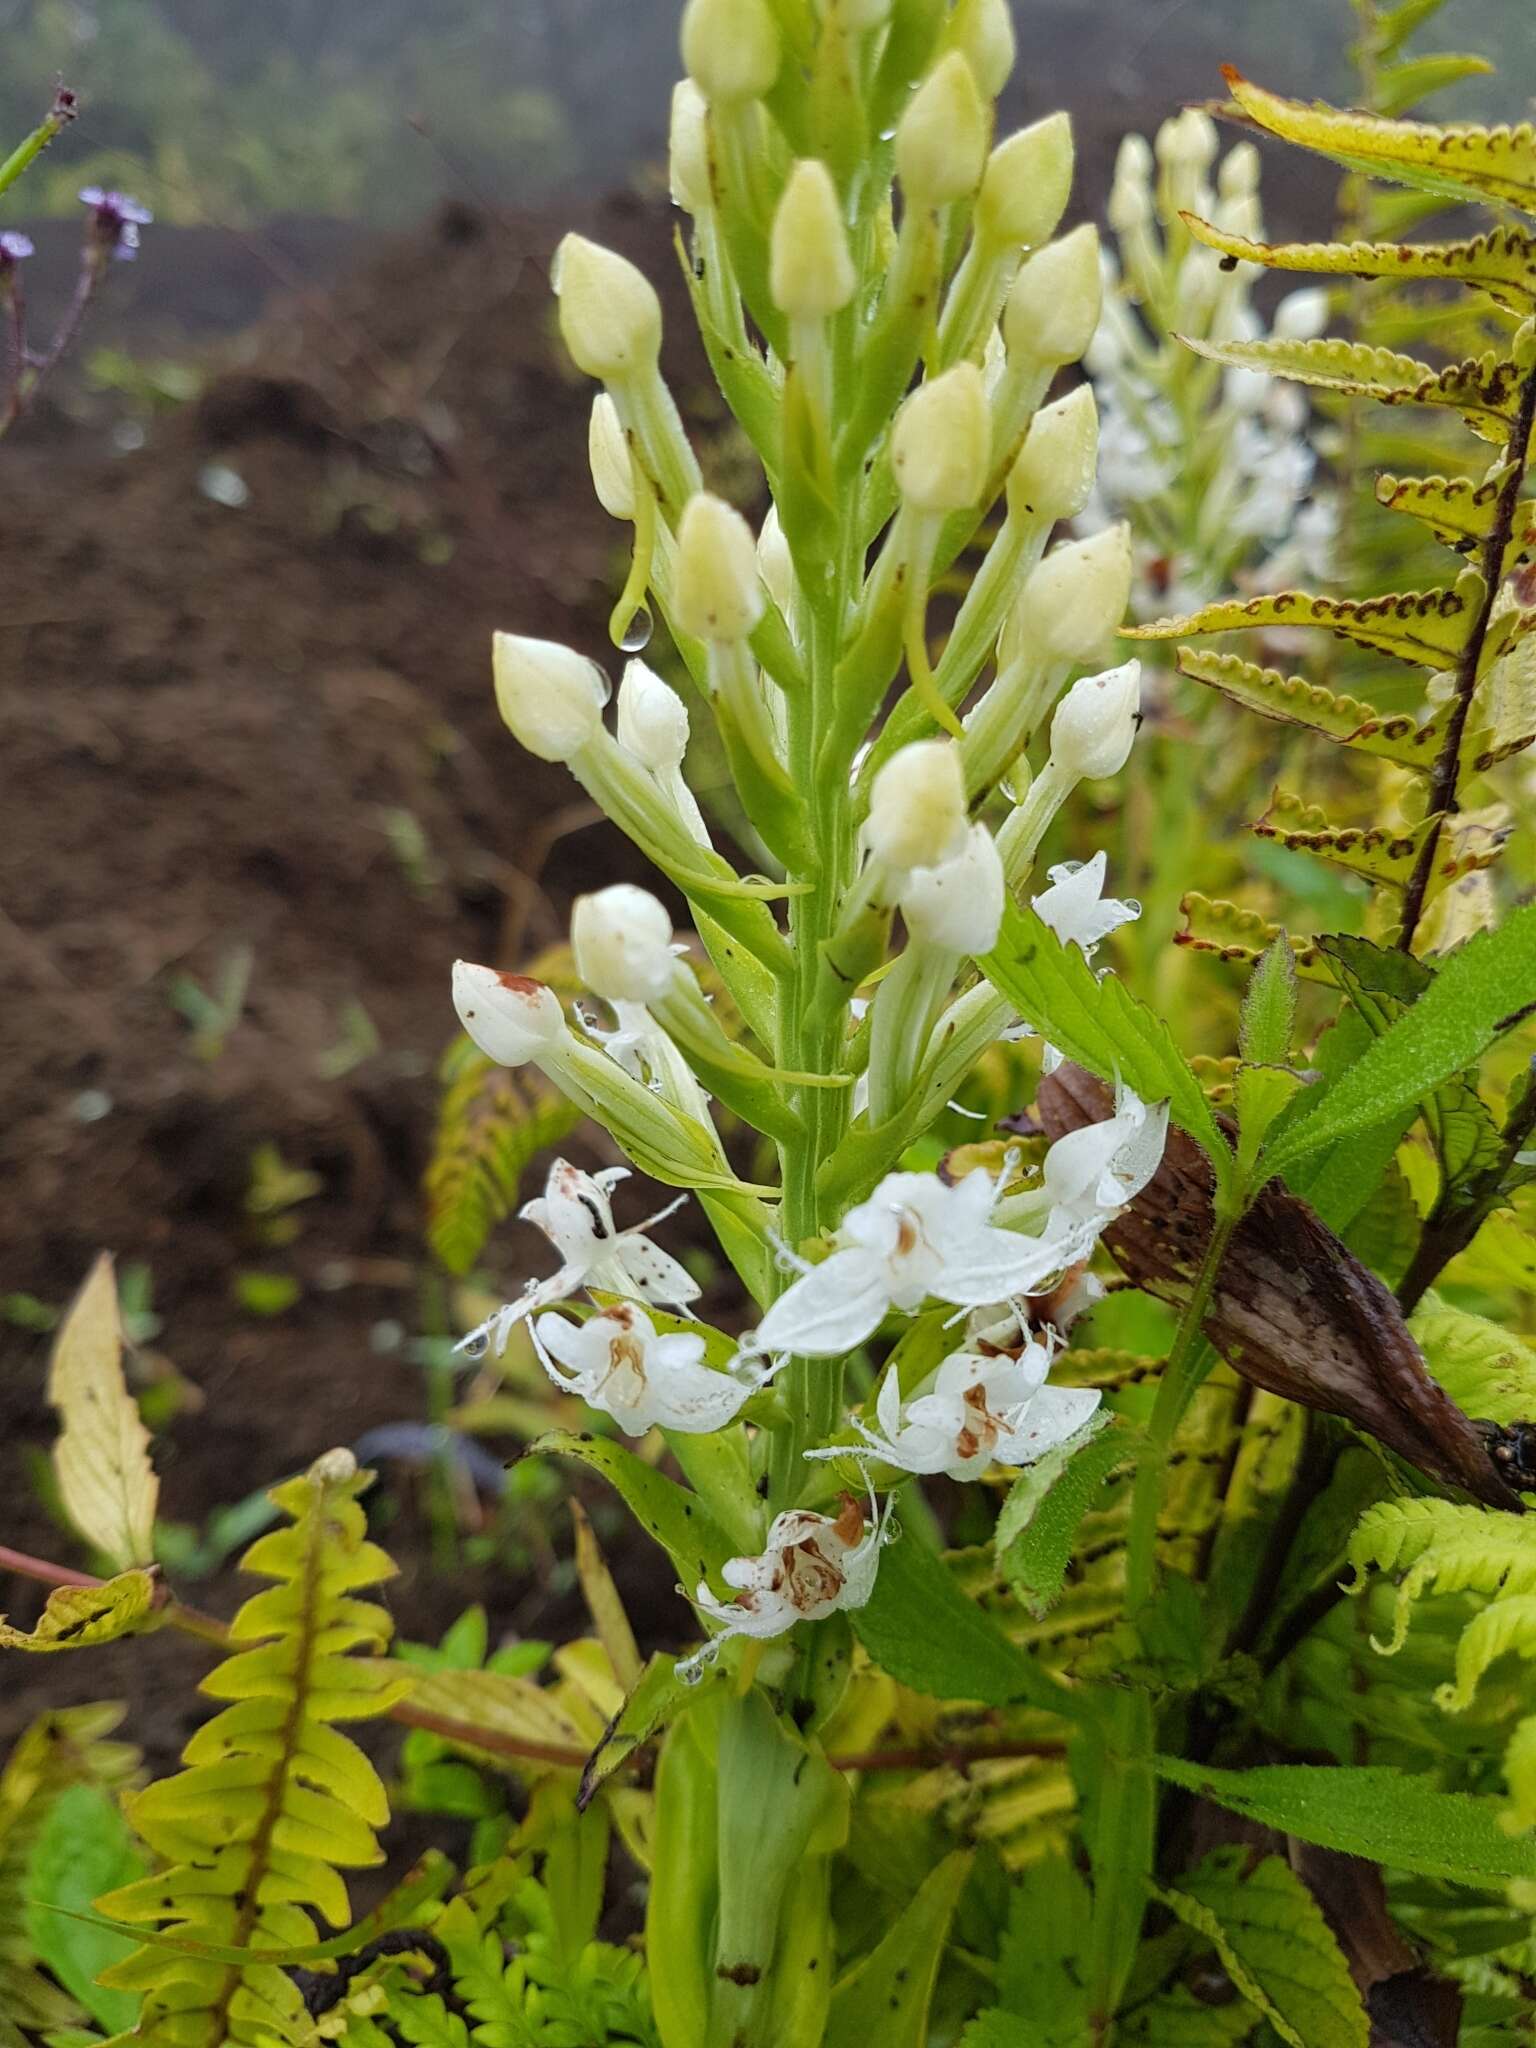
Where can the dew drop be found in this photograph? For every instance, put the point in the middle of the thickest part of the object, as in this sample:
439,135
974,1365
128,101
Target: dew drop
475,1345
637,634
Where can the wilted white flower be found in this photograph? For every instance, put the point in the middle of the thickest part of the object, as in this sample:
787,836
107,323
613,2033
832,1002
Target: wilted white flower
810,1566
576,1215
983,1406
1076,908
619,1363
913,1238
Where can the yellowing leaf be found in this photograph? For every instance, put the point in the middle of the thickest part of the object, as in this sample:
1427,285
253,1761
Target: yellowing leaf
1501,263
1425,627
1214,925
1456,161
77,1616
1292,700
1484,389
1381,856
101,1459
1456,510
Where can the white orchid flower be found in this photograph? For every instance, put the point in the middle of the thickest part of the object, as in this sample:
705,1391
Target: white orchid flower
987,1404
1076,908
810,1566
913,1238
617,1361
575,1214
1090,1175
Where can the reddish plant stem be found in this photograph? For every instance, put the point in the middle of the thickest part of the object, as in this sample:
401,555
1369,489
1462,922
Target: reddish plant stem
208,1629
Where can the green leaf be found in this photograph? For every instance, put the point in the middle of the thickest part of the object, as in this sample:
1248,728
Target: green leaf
1277,1948
1100,1024
1479,993
922,1629
1038,1981
1269,1007
1041,1514
653,1703
1486,1369
676,1519
1402,86
85,1848
885,1997
1388,1816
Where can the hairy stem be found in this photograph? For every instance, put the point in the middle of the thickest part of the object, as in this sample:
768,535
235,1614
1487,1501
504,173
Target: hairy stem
1443,780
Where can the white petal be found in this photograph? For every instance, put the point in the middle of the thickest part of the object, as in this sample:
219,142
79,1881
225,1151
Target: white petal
1055,1414
830,1309
998,1262
645,1269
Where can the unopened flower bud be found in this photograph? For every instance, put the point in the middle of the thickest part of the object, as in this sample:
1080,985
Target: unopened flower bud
1130,193
983,30
941,443
622,940
717,593
610,316
917,816
1053,475
941,144
1238,176
550,696
688,149
1026,186
1186,145
959,905
1056,299
510,1018
859,16
1096,722
652,719
775,564
608,457
1301,316
810,270
1075,598
730,48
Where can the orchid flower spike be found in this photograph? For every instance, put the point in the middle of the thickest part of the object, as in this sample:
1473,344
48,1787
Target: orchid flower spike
913,1238
617,1361
986,1404
1076,908
810,1566
575,1214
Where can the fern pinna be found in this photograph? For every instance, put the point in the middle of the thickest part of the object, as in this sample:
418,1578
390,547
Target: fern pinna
273,1802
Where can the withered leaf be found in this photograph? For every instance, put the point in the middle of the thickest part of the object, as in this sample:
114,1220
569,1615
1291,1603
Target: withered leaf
1293,1310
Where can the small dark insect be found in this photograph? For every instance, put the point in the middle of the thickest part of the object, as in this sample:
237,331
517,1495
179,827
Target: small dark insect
1512,1447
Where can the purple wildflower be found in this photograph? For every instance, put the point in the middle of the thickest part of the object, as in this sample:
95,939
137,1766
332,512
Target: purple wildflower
115,220
13,247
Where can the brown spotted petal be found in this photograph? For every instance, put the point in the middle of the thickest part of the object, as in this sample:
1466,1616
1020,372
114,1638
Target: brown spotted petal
1293,1310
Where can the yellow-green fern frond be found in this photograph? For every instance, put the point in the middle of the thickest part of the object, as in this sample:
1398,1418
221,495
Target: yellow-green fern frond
61,1749
492,1123
274,1803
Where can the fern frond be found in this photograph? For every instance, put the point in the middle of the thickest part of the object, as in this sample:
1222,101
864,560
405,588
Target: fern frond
492,1123
68,1747
1378,855
1212,924
1502,263
1426,628
1484,390
1292,700
273,1802
1459,161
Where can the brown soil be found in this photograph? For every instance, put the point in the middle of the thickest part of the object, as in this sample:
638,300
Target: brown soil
215,722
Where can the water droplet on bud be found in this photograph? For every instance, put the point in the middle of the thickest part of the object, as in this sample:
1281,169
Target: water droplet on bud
637,634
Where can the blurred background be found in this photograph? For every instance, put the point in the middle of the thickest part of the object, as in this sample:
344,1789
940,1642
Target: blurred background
314,444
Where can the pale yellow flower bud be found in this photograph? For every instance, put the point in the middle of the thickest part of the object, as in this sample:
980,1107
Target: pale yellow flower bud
1075,598
652,719
1053,475
1186,146
917,816
1238,174
775,564
983,30
730,48
1056,299
859,16
717,593
941,144
688,149
510,1018
1095,723
1027,183
959,903
610,316
608,457
1130,194
550,696
810,269
622,941
941,443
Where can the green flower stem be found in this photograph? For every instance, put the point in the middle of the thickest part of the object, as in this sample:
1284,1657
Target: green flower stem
1124,1833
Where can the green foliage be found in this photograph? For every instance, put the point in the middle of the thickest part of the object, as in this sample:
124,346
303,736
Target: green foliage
273,1802
1040,1519
85,1848
492,1123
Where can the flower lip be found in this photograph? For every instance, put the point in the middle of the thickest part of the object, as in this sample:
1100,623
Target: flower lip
14,248
116,218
